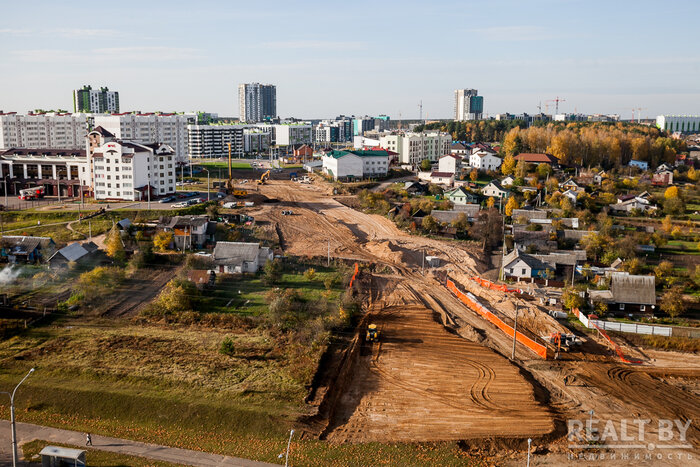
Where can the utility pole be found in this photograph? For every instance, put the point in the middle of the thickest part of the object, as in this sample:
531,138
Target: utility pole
90,229
422,267
328,262
12,417
58,186
148,187
515,332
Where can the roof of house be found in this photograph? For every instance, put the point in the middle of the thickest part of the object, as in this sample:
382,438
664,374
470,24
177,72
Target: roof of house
48,152
532,157
496,184
530,260
449,216
459,191
468,208
24,244
337,154
183,221
442,174
633,289
102,132
459,146
235,252
452,156
75,251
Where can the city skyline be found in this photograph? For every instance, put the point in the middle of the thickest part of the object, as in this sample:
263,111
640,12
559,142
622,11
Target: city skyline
517,56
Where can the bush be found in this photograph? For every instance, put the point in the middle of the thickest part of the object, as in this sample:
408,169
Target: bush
227,347
272,272
310,274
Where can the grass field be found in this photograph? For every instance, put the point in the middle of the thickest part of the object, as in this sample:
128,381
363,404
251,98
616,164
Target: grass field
93,457
171,385
224,165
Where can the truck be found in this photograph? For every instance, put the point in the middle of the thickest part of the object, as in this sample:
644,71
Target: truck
36,192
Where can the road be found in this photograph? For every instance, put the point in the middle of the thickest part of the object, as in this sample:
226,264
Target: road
27,432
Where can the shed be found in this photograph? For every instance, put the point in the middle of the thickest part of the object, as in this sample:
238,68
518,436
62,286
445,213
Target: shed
124,224
55,456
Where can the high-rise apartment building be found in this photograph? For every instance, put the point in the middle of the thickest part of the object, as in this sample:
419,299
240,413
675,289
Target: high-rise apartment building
96,101
468,105
679,123
170,129
46,130
207,141
257,102
414,147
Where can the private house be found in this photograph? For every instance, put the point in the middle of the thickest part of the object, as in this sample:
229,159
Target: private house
663,178
16,249
356,164
628,293
202,279
442,178
532,158
571,184
563,262
528,214
523,266
599,177
449,164
459,149
664,168
629,203
507,180
240,257
495,190
572,195
447,217
189,232
484,160
638,164
461,196
415,188
75,252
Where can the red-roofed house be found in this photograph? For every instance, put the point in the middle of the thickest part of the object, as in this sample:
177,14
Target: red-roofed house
532,158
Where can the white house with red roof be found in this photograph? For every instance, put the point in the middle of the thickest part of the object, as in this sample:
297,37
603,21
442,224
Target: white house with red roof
484,160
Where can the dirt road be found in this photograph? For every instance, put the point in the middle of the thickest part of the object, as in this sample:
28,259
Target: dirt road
421,382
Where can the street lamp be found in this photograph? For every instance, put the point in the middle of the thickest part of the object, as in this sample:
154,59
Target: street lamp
286,455
207,171
12,417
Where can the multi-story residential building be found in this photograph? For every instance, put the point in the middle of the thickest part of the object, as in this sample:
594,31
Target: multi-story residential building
255,140
257,102
95,101
679,123
414,147
125,170
484,160
47,131
468,105
54,169
334,131
287,134
213,140
144,128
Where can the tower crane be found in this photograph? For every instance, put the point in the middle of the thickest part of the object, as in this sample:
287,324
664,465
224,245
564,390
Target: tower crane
556,101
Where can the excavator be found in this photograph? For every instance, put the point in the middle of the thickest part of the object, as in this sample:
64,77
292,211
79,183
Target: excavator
264,177
230,187
372,333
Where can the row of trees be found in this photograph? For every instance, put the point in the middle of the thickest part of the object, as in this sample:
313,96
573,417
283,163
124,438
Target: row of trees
594,144
482,130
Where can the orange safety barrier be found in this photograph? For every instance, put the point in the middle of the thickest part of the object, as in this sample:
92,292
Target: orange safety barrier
474,304
354,275
493,286
602,332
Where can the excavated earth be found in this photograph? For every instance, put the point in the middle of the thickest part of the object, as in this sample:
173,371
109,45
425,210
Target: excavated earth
441,372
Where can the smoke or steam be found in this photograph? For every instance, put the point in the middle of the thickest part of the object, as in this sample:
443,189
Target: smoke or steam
8,274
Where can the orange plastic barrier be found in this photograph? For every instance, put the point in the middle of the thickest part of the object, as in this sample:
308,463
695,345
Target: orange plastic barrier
602,332
493,286
354,275
474,304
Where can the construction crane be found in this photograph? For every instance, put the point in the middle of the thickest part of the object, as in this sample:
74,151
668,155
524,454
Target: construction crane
230,187
556,102
639,114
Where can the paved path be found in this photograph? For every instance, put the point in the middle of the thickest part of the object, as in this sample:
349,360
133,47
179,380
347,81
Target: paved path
27,432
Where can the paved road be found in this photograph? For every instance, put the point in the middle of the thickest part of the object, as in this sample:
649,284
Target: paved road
27,432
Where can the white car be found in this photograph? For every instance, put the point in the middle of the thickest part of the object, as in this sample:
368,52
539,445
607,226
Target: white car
181,204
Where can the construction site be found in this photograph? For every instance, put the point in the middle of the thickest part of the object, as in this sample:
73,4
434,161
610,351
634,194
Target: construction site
434,358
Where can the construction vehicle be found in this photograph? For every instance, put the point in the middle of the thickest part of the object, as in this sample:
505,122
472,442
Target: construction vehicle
230,186
264,177
563,341
36,192
372,333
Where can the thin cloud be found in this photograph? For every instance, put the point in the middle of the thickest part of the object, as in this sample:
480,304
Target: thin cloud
155,54
63,32
314,44
514,33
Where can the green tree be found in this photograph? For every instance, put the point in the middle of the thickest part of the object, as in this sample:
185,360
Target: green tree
571,298
672,302
425,165
114,246
461,222
543,170
674,206
429,224
272,272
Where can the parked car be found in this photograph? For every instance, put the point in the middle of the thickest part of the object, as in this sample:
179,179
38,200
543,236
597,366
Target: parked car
221,194
196,201
167,199
181,204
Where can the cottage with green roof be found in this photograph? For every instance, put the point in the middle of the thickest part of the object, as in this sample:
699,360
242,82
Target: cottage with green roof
356,164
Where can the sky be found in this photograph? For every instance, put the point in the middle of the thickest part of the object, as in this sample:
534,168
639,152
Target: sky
356,58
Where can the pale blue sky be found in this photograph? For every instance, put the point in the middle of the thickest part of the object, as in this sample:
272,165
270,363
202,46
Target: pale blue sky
357,57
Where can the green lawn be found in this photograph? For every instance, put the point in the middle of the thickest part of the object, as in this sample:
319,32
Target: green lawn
224,165
93,457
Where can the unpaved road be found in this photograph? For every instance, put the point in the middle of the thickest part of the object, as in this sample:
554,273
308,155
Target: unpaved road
424,383
421,382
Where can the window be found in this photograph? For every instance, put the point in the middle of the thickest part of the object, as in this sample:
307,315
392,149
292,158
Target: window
642,307
523,271
116,177
622,306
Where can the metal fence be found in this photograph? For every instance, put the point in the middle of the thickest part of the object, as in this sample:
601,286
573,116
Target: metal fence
635,328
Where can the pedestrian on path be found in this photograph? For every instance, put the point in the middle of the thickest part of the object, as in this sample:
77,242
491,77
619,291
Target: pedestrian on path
88,439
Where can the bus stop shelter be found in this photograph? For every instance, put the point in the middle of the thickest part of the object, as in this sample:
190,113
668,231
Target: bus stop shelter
55,456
